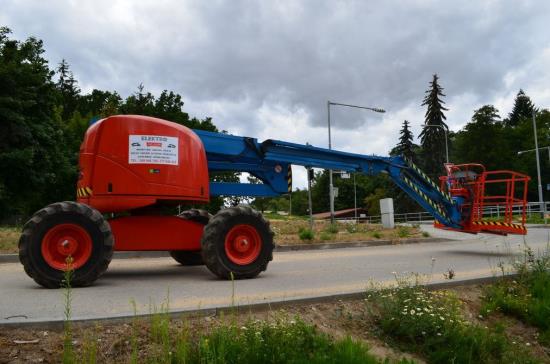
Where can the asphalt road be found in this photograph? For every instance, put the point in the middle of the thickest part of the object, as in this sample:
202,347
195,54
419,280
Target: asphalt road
301,274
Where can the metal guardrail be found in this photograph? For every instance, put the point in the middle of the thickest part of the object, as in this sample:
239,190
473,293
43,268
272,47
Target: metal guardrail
495,211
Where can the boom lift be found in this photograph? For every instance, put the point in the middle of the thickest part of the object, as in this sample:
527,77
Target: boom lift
130,165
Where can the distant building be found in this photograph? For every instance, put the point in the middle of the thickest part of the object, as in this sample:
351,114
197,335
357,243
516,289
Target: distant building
341,214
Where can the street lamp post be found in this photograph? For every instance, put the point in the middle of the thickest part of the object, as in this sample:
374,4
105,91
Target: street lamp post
355,197
331,186
532,150
446,131
539,180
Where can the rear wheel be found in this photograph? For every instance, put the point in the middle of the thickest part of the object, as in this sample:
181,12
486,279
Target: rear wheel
237,240
185,257
66,235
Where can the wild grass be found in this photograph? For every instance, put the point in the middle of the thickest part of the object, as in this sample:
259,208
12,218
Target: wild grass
279,341
9,238
332,228
403,231
526,297
432,324
68,349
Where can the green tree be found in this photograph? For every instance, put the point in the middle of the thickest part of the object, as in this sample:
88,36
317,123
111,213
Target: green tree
482,140
372,201
99,104
68,89
523,108
299,202
35,167
405,146
259,203
140,103
432,136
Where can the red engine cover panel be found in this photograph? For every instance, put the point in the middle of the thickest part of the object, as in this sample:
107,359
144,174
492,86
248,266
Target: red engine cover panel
131,161
156,233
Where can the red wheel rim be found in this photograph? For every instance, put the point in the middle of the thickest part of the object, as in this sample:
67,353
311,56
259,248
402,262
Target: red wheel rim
66,240
243,244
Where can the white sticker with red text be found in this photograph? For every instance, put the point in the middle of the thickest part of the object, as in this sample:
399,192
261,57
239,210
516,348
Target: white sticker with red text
153,149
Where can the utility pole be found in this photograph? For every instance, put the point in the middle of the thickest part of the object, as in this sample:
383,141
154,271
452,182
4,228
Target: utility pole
541,198
355,197
331,186
310,207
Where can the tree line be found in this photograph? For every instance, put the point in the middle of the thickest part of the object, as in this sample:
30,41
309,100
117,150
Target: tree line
44,115
487,138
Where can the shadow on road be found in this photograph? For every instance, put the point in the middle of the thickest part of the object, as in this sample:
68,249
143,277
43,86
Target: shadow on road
477,253
159,273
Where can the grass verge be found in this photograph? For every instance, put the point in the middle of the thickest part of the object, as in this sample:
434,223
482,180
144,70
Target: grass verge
433,324
526,297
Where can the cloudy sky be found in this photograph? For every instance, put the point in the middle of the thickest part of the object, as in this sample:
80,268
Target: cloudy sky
267,68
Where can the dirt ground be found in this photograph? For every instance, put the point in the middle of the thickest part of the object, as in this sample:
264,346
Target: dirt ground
337,318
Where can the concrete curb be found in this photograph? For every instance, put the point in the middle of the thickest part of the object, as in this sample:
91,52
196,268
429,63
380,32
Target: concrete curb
254,307
358,244
14,258
537,226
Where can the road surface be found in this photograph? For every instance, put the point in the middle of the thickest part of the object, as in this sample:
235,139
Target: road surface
291,275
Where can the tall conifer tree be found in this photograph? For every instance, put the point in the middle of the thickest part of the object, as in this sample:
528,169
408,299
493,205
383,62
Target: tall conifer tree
68,89
523,108
432,136
405,147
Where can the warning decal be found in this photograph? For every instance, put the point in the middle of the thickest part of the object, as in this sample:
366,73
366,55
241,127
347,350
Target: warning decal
153,149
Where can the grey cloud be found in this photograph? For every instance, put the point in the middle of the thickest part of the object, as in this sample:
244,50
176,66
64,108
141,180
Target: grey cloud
295,54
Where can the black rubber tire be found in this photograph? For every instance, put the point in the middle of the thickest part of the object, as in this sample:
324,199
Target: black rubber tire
35,229
185,257
213,243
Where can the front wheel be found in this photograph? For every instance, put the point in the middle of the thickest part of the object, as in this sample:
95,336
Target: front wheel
238,241
66,236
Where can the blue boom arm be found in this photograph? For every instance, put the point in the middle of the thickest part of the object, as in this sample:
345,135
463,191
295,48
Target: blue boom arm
270,162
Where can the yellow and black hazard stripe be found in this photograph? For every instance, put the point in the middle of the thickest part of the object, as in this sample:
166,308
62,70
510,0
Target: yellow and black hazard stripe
289,178
428,179
84,192
499,223
425,197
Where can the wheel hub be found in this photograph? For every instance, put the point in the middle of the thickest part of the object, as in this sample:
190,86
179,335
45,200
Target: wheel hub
66,246
243,244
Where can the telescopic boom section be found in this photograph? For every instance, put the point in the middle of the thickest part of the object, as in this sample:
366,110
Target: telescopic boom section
270,162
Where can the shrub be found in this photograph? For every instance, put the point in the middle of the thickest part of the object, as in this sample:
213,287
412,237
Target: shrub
425,234
403,231
432,324
332,228
306,234
526,297
376,235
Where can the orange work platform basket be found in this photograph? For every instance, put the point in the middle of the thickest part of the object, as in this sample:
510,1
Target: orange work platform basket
475,191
